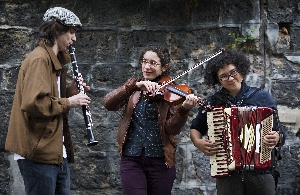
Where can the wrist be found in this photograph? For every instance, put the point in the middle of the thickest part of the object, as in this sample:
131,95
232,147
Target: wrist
280,135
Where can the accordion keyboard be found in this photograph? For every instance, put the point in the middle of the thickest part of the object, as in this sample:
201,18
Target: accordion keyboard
238,133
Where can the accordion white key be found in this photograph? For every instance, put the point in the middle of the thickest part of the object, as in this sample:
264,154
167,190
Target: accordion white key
238,133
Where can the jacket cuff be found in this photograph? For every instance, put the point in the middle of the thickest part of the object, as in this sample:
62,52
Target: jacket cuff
182,112
66,105
130,86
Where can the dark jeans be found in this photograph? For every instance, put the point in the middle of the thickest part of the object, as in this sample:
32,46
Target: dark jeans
247,183
146,176
46,179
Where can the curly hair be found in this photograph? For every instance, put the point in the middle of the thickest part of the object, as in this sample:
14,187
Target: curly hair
238,59
161,51
49,31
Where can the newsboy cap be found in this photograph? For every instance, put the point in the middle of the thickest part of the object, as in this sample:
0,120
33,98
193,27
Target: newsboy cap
62,15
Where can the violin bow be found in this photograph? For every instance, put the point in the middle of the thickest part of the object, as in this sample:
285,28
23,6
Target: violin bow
192,68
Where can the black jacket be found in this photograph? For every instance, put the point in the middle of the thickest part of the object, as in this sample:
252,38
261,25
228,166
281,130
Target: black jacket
248,96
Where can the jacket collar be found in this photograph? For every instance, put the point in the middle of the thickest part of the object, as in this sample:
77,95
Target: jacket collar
61,59
244,88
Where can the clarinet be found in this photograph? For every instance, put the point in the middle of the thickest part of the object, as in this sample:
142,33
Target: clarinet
85,109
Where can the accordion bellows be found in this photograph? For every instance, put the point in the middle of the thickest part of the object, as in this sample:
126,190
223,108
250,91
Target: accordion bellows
238,133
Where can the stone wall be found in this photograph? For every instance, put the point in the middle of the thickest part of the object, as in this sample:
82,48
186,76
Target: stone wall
107,50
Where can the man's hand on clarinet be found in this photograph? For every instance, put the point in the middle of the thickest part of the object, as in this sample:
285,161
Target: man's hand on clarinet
72,88
79,100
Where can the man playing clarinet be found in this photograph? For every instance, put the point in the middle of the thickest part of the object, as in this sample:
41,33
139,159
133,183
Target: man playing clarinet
38,132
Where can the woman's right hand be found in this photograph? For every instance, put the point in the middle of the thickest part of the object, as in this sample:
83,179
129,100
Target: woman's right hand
148,86
206,146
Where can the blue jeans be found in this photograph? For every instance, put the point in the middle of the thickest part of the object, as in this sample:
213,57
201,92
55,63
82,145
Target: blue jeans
143,175
46,179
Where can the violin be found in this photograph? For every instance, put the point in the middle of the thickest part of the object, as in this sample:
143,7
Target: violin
169,91
174,94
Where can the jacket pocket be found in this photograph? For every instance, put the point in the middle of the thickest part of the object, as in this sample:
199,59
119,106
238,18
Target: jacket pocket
46,139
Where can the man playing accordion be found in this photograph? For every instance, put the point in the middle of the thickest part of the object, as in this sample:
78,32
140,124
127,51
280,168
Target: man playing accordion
229,69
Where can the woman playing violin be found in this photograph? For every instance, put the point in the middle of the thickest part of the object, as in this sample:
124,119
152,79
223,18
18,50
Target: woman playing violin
147,128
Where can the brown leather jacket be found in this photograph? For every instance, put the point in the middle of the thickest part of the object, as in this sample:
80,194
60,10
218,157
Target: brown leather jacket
171,119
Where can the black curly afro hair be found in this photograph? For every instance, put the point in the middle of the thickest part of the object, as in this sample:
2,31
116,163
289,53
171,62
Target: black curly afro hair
238,59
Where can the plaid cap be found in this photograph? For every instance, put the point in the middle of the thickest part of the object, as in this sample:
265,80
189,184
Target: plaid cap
62,15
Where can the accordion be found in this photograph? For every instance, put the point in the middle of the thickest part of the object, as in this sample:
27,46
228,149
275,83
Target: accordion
238,133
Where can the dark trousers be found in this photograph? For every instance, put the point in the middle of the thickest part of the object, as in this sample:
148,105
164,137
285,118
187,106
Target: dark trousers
146,176
246,183
46,179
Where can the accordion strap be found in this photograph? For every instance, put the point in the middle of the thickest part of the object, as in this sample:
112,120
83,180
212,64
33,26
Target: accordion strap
251,91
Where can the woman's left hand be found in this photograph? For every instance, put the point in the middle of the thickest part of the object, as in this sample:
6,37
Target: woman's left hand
190,101
272,139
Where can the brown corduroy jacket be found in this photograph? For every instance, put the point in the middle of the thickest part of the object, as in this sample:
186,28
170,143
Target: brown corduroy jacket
39,117
171,118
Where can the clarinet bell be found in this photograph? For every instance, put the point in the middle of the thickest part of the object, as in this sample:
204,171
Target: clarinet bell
92,143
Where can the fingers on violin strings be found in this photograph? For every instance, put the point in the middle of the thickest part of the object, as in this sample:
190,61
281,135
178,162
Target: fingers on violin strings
149,87
190,98
146,85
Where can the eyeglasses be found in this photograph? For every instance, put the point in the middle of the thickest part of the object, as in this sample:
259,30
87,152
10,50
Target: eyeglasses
226,77
151,63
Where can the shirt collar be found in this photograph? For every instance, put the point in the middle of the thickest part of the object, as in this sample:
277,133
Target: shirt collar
61,59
